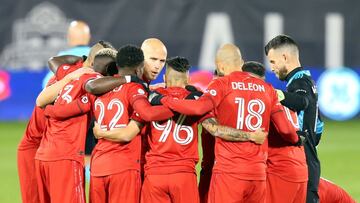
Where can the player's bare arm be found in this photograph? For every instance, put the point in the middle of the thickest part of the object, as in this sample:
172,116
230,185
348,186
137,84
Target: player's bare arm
105,84
49,94
232,134
118,134
56,61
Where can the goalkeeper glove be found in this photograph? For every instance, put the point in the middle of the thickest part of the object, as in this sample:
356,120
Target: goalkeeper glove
155,98
194,93
280,95
302,137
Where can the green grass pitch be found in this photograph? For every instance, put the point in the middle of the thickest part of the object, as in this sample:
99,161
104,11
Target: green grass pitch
339,153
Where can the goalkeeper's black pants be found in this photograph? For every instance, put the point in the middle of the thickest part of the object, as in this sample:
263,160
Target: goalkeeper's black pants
313,164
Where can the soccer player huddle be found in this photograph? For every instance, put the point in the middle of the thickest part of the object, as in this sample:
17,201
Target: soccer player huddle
258,143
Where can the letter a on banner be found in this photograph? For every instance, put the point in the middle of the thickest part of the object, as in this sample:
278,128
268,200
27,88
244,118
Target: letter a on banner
218,31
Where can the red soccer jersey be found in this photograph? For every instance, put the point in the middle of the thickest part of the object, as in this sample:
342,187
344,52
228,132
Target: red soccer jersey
331,193
34,129
113,110
285,160
65,69
65,139
246,103
173,142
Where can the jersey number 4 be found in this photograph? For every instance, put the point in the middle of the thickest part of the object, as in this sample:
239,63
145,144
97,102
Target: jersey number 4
167,128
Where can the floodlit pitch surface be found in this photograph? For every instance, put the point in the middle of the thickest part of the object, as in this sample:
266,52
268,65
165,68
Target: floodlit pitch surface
339,153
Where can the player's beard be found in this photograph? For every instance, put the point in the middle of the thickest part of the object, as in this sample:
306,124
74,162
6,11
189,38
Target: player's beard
282,73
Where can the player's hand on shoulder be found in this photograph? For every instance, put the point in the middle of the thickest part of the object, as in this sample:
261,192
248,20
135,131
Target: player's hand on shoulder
155,98
79,72
259,136
194,92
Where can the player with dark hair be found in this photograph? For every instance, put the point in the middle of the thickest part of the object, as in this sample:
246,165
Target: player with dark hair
155,54
302,97
246,103
173,143
254,67
115,167
286,163
60,158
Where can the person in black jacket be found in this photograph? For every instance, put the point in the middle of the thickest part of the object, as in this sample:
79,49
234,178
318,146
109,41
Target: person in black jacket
301,96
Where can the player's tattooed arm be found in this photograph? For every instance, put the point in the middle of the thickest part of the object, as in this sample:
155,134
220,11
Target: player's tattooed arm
232,134
125,134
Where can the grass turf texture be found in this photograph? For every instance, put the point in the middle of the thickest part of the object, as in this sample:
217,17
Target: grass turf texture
339,153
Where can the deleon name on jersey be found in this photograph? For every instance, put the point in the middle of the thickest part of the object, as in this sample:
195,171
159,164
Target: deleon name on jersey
247,86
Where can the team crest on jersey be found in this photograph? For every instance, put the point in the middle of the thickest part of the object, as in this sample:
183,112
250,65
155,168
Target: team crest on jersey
141,91
84,100
213,92
116,89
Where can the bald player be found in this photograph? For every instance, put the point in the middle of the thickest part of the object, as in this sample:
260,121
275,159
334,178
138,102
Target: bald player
244,102
78,34
78,38
155,54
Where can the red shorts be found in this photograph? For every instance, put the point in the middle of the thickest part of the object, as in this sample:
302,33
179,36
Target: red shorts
282,191
170,188
120,187
60,181
27,177
227,188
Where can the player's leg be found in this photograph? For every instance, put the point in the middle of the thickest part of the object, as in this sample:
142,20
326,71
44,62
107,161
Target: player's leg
313,164
204,185
255,192
155,189
301,194
98,189
26,169
282,191
42,180
225,188
27,175
67,182
125,187
183,188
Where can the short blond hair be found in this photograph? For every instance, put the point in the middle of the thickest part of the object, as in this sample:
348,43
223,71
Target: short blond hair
108,52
